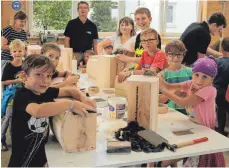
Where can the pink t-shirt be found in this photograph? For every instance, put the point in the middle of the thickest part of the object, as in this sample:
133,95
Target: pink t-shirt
203,112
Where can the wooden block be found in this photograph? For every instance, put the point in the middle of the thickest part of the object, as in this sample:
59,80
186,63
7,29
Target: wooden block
33,49
121,89
106,71
92,66
73,132
143,100
66,59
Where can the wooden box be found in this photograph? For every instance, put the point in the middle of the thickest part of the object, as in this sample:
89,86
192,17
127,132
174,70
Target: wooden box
143,100
102,69
65,63
73,132
33,49
121,89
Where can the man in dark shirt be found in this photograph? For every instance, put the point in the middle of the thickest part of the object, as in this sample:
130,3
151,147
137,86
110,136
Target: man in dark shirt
81,33
197,38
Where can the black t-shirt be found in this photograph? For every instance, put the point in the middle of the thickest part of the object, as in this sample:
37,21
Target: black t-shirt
28,145
138,45
10,72
81,35
196,38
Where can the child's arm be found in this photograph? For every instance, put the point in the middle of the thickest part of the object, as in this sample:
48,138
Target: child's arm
64,74
188,101
71,80
54,108
8,82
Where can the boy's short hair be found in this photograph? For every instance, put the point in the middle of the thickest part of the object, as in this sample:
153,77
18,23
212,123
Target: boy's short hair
175,46
108,46
50,46
149,31
20,15
217,18
142,11
89,52
35,61
225,44
16,43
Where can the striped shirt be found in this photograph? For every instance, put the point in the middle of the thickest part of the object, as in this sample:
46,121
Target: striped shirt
10,34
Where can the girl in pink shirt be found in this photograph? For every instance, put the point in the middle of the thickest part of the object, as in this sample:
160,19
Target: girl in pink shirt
200,104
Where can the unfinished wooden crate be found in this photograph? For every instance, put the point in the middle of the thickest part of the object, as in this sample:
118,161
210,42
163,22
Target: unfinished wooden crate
121,89
92,66
143,100
73,132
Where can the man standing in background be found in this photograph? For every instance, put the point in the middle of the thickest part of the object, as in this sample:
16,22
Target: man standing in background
81,34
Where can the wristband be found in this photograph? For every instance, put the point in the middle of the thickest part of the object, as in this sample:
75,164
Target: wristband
71,106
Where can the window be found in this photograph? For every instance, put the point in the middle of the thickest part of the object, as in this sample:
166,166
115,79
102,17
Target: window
54,15
177,15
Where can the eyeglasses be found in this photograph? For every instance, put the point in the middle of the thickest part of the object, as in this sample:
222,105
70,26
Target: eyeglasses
178,55
147,41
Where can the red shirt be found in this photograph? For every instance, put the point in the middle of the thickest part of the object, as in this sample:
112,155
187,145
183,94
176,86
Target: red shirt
158,60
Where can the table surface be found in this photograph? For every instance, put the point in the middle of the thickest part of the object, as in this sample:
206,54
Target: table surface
167,123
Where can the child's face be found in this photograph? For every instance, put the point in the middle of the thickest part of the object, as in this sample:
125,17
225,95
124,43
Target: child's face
54,56
142,21
109,50
125,28
201,80
17,53
38,80
175,58
149,42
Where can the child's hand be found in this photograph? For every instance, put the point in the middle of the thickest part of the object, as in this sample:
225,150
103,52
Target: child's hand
81,108
19,80
122,76
106,42
81,64
71,80
125,70
88,101
68,73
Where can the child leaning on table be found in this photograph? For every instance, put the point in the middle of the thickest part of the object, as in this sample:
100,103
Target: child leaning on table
33,104
86,55
176,72
200,104
152,59
53,51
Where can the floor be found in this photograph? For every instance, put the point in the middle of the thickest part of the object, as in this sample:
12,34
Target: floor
6,155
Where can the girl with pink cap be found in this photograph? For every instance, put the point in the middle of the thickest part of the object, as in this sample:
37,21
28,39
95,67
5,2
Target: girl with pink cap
200,104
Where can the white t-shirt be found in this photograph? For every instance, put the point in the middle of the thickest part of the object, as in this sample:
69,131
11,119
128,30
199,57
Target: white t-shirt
116,42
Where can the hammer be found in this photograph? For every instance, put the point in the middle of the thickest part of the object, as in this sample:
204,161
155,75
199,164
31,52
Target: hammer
187,143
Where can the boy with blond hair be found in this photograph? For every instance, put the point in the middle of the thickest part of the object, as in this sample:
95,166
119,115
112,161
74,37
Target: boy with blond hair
10,82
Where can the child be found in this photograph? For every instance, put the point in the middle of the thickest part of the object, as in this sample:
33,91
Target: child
87,53
53,51
201,106
10,81
34,103
176,72
221,83
152,59
143,20
108,49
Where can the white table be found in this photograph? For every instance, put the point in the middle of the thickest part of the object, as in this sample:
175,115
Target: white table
167,122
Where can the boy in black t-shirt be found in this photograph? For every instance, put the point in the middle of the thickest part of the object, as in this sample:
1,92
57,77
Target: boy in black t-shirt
53,51
33,104
11,81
